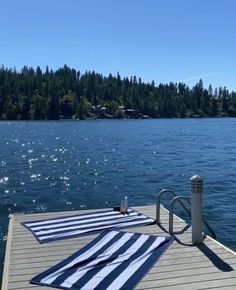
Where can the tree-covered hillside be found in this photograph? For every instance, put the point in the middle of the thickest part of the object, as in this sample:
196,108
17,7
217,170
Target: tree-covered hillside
66,93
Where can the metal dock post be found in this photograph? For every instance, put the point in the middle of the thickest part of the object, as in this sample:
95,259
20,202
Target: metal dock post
196,208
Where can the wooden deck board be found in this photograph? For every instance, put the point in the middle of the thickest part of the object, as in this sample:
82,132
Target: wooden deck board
209,266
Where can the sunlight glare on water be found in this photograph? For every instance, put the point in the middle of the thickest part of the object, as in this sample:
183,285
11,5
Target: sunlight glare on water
67,165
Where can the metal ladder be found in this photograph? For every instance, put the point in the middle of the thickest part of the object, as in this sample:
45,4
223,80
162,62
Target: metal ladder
181,200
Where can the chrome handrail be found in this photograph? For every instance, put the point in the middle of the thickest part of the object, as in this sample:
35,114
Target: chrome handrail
171,213
179,199
158,202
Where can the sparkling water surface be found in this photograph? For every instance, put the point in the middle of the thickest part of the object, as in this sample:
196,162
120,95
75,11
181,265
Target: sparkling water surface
68,165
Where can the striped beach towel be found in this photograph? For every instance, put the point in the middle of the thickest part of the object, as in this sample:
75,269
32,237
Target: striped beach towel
114,260
77,225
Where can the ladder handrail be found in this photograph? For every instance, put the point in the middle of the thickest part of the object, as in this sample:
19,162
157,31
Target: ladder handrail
171,213
179,199
158,202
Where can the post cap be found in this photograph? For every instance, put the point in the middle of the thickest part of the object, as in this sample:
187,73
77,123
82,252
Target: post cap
196,184
196,178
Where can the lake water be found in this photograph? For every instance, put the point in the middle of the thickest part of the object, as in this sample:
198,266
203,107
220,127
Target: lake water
67,165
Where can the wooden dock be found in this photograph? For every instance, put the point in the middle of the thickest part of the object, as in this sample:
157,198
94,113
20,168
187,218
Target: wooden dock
207,266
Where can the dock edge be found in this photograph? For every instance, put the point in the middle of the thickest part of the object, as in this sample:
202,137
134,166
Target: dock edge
7,254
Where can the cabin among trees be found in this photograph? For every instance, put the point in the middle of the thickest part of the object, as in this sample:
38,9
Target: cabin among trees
34,94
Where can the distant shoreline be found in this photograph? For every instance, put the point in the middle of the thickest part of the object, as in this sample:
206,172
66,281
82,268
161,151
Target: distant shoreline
113,118
125,119
34,94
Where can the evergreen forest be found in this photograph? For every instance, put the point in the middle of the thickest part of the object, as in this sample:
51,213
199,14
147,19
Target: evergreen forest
65,93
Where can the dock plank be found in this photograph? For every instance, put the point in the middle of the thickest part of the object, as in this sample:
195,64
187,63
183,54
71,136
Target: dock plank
208,266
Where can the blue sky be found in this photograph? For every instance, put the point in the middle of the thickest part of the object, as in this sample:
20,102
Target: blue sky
160,40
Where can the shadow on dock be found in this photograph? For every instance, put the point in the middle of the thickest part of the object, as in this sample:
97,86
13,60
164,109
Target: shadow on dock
214,258
211,255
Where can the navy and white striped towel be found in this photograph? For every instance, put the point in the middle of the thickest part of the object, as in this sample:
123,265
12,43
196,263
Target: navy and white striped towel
73,226
114,260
